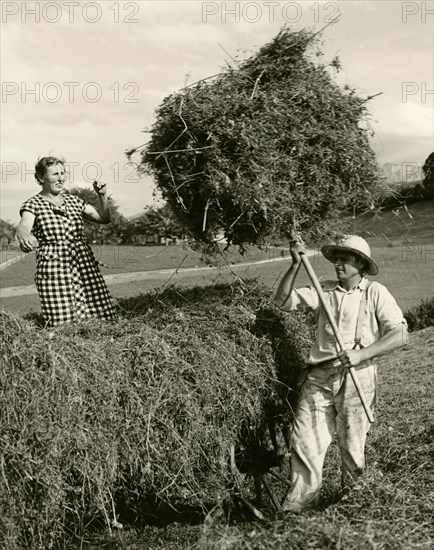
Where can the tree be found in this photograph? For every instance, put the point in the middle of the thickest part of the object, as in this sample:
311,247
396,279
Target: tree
7,231
428,172
111,233
159,221
164,221
269,141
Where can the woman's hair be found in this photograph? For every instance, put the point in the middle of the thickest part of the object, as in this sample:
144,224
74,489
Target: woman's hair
42,165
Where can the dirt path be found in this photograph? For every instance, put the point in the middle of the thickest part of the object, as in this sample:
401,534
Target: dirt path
15,258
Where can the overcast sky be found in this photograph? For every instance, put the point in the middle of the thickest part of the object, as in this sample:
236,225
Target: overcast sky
83,81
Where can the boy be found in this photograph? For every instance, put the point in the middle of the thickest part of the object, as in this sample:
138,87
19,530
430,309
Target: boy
371,324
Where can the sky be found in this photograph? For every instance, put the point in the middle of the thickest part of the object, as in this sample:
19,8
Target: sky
82,80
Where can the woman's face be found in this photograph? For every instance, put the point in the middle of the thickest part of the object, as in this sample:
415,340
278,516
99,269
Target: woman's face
54,179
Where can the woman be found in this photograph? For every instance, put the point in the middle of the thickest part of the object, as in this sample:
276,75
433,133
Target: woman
68,279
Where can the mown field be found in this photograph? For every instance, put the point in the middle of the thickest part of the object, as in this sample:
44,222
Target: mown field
397,226
407,271
127,259
76,398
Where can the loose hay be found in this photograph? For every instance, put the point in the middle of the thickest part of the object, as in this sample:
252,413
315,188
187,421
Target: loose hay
269,139
97,413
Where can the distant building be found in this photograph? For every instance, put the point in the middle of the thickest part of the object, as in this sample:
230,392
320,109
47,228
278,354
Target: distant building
145,238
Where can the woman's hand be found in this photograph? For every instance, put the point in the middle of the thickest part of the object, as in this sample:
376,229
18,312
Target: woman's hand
100,214
100,188
26,240
24,236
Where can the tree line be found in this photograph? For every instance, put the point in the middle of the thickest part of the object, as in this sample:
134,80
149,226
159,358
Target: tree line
152,221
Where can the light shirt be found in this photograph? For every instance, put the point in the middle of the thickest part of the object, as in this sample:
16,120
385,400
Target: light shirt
382,314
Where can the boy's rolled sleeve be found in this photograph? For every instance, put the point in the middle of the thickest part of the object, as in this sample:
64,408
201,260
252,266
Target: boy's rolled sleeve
301,299
389,315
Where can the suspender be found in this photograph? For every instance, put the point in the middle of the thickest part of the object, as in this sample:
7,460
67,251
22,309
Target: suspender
360,317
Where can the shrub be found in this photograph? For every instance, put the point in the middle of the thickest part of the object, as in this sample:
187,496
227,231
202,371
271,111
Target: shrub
97,414
421,316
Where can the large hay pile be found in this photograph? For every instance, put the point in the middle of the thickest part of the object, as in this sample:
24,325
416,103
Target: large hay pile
270,139
95,414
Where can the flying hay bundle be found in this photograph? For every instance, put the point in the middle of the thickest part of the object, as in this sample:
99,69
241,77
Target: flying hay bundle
270,140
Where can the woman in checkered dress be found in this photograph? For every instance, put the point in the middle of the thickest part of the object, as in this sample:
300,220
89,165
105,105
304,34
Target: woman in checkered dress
67,278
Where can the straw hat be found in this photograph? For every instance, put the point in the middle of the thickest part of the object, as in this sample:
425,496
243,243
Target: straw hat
356,245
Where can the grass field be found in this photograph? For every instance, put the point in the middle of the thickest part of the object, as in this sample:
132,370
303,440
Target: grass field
402,242
406,270
408,277
413,224
128,259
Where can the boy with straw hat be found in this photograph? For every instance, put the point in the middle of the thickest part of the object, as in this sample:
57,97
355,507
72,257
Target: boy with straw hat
370,324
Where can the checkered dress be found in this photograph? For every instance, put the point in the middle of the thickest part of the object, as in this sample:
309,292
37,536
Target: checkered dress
67,278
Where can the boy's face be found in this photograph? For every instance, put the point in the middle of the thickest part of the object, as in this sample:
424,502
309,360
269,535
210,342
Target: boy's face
347,266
